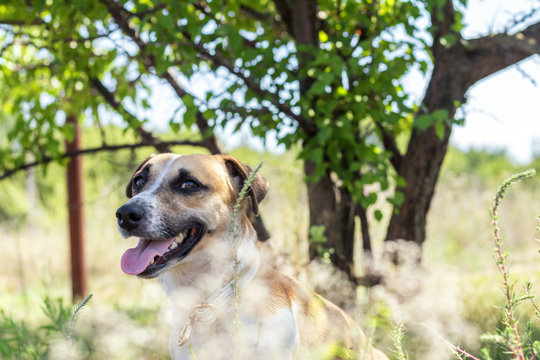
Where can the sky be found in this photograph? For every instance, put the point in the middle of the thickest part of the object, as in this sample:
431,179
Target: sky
501,112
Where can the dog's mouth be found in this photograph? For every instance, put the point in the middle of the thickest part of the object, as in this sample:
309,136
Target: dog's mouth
152,256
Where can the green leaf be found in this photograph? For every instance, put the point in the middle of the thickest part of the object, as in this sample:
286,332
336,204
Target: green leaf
369,200
235,40
316,234
341,91
188,101
424,121
162,64
397,199
209,114
439,130
175,127
448,40
378,215
315,155
440,115
400,181
324,135
323,37
69,131
167,22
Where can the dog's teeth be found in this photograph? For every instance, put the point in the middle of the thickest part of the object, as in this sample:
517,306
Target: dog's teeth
180,237
174,245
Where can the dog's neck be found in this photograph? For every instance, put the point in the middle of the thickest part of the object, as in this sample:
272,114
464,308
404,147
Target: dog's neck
203,274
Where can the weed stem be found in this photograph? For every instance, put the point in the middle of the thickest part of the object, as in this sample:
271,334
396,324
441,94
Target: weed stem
514,344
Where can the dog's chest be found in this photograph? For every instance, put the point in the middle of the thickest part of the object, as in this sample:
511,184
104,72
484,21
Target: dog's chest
273,337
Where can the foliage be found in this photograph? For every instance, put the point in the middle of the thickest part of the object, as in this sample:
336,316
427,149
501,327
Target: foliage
337,95
317,238
397,337
19,341
104,173
48,60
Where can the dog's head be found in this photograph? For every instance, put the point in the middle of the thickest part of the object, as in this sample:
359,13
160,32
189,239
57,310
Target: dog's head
179,203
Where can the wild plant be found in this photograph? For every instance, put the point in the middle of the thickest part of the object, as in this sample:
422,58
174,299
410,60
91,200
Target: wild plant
236,208
510,335
397,340
19,341
511,342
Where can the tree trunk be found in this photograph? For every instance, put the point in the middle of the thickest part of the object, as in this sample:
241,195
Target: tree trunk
333,208
420,169
422,162
425,153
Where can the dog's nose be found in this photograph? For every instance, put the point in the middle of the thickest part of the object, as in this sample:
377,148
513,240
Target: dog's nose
128,216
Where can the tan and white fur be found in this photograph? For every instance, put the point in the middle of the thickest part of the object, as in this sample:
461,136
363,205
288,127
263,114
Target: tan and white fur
226,303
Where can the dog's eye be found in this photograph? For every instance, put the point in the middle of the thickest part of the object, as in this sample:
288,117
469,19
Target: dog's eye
138,181
189,185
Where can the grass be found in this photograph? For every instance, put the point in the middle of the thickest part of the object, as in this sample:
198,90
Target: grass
454,293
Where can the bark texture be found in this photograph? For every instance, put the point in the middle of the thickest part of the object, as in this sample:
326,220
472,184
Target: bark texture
329,204
332,207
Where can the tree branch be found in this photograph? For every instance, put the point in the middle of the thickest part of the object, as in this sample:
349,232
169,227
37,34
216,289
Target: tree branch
148,61
283,9
521,18
255,14
109,97
17,22
490,54
153,10
70,154
250,83
389,144
203,8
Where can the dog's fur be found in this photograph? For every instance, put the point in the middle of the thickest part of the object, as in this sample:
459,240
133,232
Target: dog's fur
271,316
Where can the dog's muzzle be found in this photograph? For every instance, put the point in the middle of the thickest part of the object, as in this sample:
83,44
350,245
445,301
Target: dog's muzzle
129,215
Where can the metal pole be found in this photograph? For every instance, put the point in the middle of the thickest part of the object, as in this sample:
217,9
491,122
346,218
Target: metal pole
76,214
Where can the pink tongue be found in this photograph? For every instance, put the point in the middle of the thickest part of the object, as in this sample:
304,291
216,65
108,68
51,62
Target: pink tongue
136,260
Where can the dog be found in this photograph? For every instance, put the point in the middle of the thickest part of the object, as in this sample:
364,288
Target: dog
204,252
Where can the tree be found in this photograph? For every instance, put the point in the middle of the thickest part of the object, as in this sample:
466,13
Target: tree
323,75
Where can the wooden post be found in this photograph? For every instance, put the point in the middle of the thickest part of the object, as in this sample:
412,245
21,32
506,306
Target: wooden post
76,213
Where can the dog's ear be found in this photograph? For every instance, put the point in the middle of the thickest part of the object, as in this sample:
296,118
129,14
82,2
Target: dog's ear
129,192
239,173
